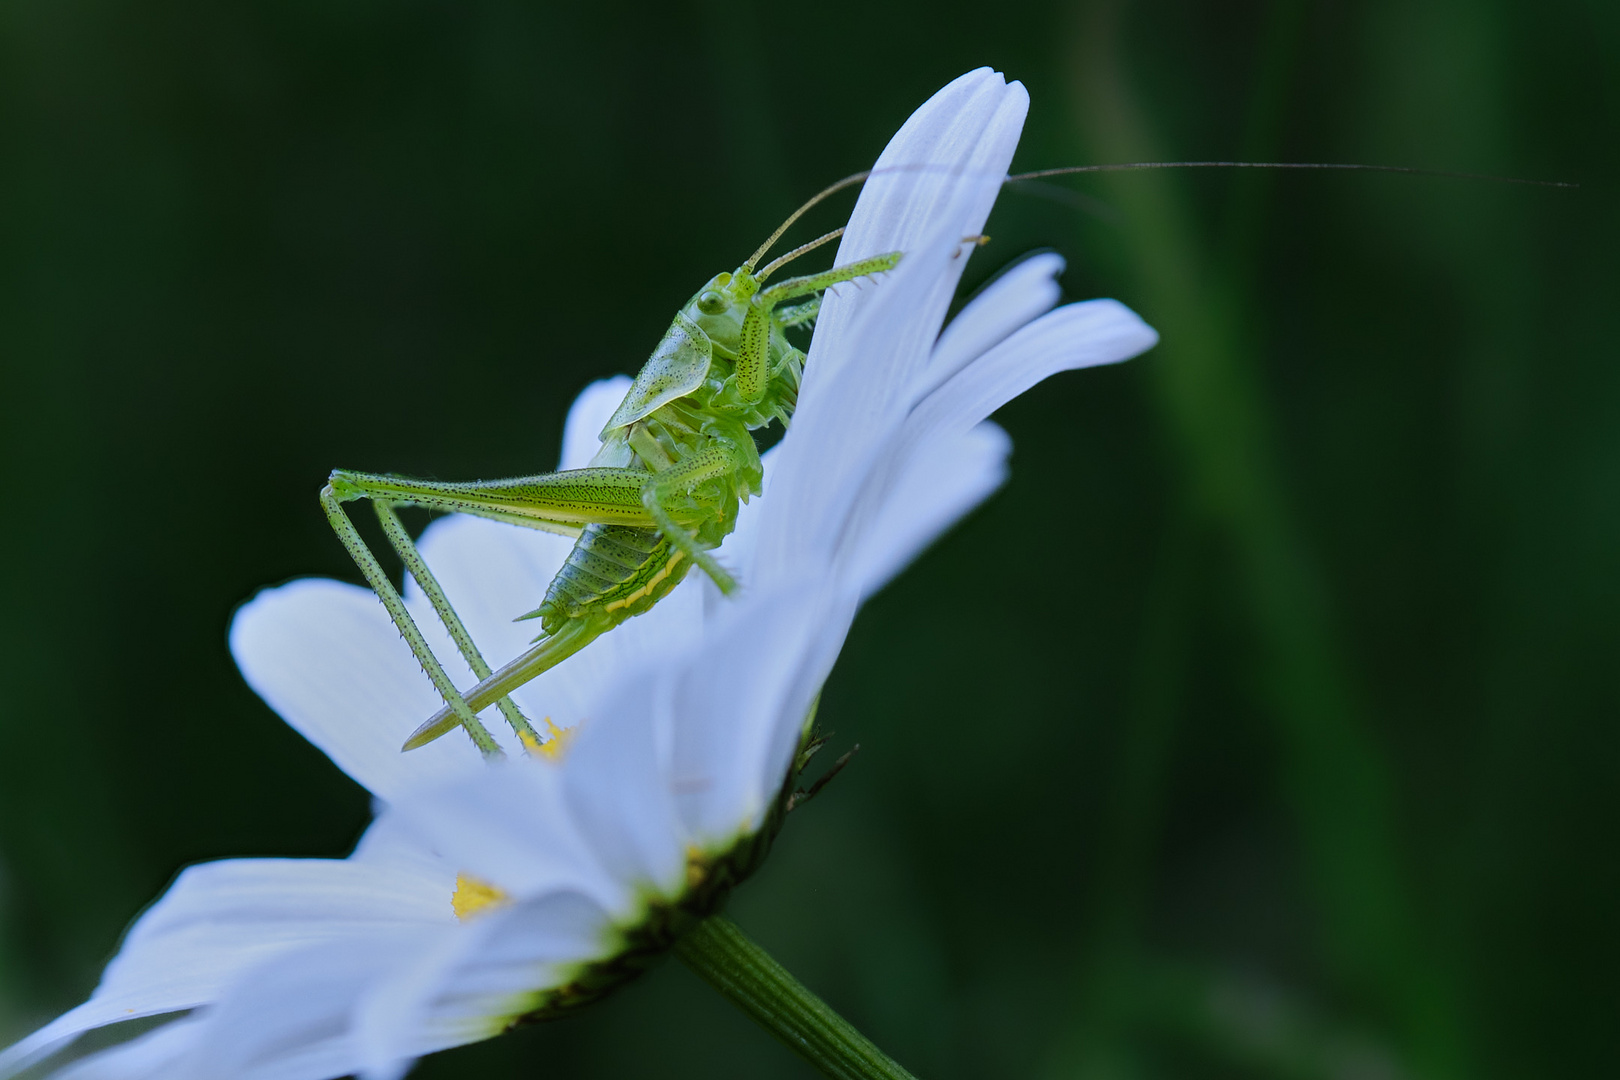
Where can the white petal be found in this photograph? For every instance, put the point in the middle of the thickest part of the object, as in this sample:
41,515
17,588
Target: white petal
585,420
955,475
617,784
521,951
1077,335
291,1018
822,460
512,827
1074,336
475,981
873,345
328,660
238,901
389,1011
739,705
220,919
1020,294
387,844
935,490
155,1054
309,1014
941,171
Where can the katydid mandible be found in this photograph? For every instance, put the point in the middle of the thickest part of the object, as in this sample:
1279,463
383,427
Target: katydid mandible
663,491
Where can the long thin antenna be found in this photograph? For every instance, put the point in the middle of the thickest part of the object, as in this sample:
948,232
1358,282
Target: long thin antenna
802,249
853,178
1042,173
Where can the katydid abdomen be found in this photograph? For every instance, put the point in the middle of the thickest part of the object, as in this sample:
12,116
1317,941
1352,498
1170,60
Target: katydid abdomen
618,569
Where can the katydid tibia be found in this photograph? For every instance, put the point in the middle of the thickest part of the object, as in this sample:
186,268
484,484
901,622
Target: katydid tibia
663,491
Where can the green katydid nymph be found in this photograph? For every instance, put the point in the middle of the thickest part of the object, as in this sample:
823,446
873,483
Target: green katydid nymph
663,491
677,458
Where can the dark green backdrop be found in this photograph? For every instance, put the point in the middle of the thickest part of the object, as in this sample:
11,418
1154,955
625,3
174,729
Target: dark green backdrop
1300,763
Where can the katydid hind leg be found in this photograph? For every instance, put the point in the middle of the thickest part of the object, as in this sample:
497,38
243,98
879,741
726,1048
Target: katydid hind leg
419,569
561,502
332,504
544,655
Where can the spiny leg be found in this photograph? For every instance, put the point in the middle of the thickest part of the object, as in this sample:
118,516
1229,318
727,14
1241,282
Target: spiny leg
687,543
418,567
799,314
561,502
755,334
407,627
608,495
795,287
540,658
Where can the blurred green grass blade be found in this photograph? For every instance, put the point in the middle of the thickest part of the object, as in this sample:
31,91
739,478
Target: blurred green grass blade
1097,1041
1337,783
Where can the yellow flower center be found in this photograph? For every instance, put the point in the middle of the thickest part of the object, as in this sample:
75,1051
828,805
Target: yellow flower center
473,896
557,741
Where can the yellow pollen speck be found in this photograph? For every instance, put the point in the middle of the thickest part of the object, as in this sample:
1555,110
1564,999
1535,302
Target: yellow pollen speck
554,746
473,896
697,866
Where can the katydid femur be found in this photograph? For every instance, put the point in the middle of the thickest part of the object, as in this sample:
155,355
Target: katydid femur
662,492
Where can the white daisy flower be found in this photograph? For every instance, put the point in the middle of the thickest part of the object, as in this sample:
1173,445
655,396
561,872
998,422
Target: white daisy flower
485,895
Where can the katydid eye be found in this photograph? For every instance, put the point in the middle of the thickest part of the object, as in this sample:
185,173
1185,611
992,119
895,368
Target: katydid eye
711,303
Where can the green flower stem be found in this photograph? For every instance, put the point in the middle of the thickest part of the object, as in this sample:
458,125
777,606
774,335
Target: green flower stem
731,963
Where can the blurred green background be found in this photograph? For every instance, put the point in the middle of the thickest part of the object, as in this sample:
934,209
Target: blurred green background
1301,764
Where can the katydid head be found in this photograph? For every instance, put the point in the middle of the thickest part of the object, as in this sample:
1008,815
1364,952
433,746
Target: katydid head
711,321
720,305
